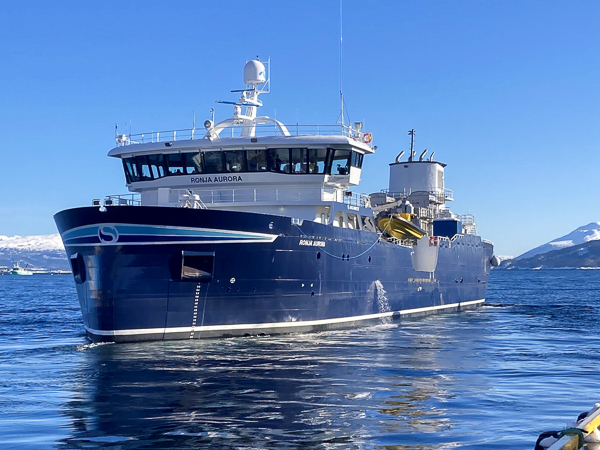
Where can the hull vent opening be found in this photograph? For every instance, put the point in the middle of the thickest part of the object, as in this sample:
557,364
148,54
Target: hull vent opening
197,266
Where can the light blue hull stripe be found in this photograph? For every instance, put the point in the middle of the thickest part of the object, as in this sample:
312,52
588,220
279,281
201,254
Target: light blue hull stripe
132,234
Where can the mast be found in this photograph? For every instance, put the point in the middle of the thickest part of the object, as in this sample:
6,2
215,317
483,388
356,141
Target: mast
411,133
341,70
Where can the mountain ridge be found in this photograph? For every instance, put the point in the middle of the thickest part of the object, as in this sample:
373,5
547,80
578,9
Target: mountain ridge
582,256
581,235
45,251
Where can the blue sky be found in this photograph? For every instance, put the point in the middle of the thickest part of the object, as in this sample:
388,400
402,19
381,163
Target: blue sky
506,93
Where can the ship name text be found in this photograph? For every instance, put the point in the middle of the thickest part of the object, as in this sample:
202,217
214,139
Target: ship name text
217,179
310,243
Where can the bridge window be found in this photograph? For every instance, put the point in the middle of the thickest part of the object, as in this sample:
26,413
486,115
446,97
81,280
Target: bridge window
279,160
157,166
194,162
357,159
181,163
176,163
131,172
340,162
143,168
257,160
235,161
299,160
317,158
213,162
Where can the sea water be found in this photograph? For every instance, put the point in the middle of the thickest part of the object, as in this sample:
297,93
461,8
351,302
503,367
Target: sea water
493,378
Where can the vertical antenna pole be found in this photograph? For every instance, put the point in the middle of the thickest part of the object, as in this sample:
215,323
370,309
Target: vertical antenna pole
341,70
412,144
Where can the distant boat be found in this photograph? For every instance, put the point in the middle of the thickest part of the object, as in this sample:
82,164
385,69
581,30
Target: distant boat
18,270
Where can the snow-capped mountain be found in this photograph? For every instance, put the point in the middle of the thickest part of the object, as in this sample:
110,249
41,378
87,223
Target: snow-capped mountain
43,252
42,243
581,235
582,256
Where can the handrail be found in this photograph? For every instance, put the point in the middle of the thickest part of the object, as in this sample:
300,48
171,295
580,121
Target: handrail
447,193
123,200
199,198
268,195
260,130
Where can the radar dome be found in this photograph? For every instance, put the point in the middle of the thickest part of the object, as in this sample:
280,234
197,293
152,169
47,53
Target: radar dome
254,73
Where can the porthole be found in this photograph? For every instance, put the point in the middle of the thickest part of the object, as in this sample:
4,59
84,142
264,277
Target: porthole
369,259
318,255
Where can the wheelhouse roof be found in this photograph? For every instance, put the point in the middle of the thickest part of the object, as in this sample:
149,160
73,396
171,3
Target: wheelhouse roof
241,143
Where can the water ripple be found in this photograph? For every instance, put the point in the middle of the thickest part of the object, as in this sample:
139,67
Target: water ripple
490,377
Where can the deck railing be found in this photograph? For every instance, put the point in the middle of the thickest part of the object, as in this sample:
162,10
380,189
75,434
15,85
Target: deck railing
201,198
122,200
260,130
442,194
270,196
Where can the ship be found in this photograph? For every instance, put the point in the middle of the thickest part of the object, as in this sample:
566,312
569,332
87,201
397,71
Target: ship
18,270
250,227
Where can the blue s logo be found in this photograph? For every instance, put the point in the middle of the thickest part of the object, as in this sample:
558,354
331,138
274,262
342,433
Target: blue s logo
108,234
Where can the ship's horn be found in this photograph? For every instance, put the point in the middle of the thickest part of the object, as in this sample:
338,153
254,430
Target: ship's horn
422,155
400,155
431,157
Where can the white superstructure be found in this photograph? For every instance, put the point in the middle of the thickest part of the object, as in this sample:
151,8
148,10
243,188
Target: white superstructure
252,163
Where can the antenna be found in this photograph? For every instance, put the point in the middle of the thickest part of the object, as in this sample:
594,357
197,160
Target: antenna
411,133
341,70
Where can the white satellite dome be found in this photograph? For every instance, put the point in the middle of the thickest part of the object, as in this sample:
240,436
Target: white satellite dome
254,73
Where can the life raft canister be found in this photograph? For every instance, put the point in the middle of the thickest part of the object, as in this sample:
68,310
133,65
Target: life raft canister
368,138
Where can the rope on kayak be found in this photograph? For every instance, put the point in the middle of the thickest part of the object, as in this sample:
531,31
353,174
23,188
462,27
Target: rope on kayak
548,438
574,432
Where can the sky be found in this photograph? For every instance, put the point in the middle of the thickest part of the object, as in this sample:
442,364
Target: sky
506,93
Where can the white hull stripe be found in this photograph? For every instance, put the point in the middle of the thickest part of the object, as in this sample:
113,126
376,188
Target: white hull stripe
280,325
227,241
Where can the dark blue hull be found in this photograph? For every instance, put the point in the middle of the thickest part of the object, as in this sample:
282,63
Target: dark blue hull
152,273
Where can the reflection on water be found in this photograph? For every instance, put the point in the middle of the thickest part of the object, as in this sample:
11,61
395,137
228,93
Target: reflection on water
493,378
326,389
